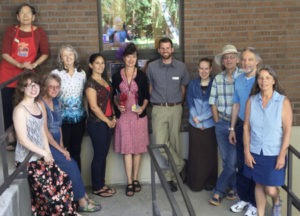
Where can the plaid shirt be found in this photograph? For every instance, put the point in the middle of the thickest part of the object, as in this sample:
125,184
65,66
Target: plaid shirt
221,93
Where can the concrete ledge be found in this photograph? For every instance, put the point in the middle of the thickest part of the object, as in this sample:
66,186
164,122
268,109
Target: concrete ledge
15,201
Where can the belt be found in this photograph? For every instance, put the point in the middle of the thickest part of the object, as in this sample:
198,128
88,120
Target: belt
166,104
224,117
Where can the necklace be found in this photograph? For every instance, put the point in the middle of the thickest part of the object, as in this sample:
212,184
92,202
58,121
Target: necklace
129,79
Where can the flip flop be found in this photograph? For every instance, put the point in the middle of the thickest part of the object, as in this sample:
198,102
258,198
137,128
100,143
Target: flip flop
102,193
109,189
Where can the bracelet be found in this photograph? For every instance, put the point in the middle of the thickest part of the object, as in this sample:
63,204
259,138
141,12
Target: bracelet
231,129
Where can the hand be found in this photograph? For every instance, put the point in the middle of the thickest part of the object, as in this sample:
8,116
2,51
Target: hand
280,162
249,160
196,121
28,65
48,158
232,137
111,123
139,110
66,153
122,108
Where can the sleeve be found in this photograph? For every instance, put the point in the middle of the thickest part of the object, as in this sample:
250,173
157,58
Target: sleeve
42,41
236,98
190,100
145,86
213,93
8,39
186,77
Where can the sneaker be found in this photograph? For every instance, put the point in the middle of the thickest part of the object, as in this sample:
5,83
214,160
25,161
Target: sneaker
251,211
276,209
239,206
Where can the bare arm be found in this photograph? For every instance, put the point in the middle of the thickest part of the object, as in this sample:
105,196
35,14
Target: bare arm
214,111
26,65
249,160
234,117
183,91
287,119
91,95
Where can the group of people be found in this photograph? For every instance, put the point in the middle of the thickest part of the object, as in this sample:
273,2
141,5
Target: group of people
242,111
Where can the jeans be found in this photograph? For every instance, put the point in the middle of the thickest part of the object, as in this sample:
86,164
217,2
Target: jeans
100,135
227,178
72,170
245,186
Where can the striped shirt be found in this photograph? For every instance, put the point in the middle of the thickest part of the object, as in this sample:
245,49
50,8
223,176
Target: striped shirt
221,94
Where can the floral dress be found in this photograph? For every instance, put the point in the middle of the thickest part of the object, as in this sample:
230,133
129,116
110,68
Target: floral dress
50,187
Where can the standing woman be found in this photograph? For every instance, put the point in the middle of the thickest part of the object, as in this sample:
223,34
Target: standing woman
267,131
20,47
131,135
72,85
51,189
202,165
100,122
51,87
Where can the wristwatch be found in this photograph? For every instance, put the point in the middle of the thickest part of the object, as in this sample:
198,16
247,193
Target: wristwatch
231,129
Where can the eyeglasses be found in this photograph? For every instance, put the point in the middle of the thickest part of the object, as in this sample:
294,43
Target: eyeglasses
54,87
32,85
230,57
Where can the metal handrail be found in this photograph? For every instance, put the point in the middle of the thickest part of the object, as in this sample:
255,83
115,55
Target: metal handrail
156,167
292,199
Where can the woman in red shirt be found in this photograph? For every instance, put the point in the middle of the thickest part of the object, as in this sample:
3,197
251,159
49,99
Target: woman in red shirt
20,47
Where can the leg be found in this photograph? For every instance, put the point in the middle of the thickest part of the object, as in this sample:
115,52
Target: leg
260,197
128,162
273,192
100,137
136,165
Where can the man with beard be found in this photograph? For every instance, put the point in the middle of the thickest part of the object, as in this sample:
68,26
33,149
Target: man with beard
242,88
168,78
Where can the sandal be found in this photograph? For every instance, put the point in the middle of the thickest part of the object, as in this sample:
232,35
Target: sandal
231,195
136,186
92,201
88,207
215,201
129,190
109,189
103,193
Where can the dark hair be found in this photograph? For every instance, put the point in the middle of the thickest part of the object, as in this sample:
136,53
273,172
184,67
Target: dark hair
93,58
130,49
22,83
26,5
206,59
255,90
165,40
45,81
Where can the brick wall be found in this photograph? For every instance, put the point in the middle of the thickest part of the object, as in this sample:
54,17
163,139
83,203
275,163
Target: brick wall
273,27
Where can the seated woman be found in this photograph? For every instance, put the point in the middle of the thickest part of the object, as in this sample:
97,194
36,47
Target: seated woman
50,187
51,87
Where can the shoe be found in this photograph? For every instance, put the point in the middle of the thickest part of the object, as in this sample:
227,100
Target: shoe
129,190
215,201
276,209
173,186
89,208
136,186
231,195
239,206
182,173
251,211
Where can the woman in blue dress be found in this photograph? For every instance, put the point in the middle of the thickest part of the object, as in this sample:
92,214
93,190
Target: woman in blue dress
51,88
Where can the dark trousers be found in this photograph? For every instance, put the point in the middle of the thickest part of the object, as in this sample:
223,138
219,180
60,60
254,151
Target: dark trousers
7,102
72,138
245,186
100,135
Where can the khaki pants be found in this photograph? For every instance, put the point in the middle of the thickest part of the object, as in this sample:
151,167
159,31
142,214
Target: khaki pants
166,123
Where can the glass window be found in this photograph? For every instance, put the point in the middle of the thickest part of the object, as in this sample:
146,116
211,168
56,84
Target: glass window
142,22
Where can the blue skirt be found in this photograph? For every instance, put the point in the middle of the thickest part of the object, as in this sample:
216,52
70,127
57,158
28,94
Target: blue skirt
264,171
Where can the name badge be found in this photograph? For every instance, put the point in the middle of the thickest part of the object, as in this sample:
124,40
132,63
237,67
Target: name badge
175,78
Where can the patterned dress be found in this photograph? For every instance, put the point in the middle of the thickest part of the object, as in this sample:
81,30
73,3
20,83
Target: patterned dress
51,188
131,135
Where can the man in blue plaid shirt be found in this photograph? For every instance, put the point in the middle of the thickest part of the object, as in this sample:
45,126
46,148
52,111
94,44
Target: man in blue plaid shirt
221,96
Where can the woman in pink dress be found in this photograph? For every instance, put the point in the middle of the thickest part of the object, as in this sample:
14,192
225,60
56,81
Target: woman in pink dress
131,92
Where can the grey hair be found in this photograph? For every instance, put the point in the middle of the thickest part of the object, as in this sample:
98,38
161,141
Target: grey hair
70,48
254,51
